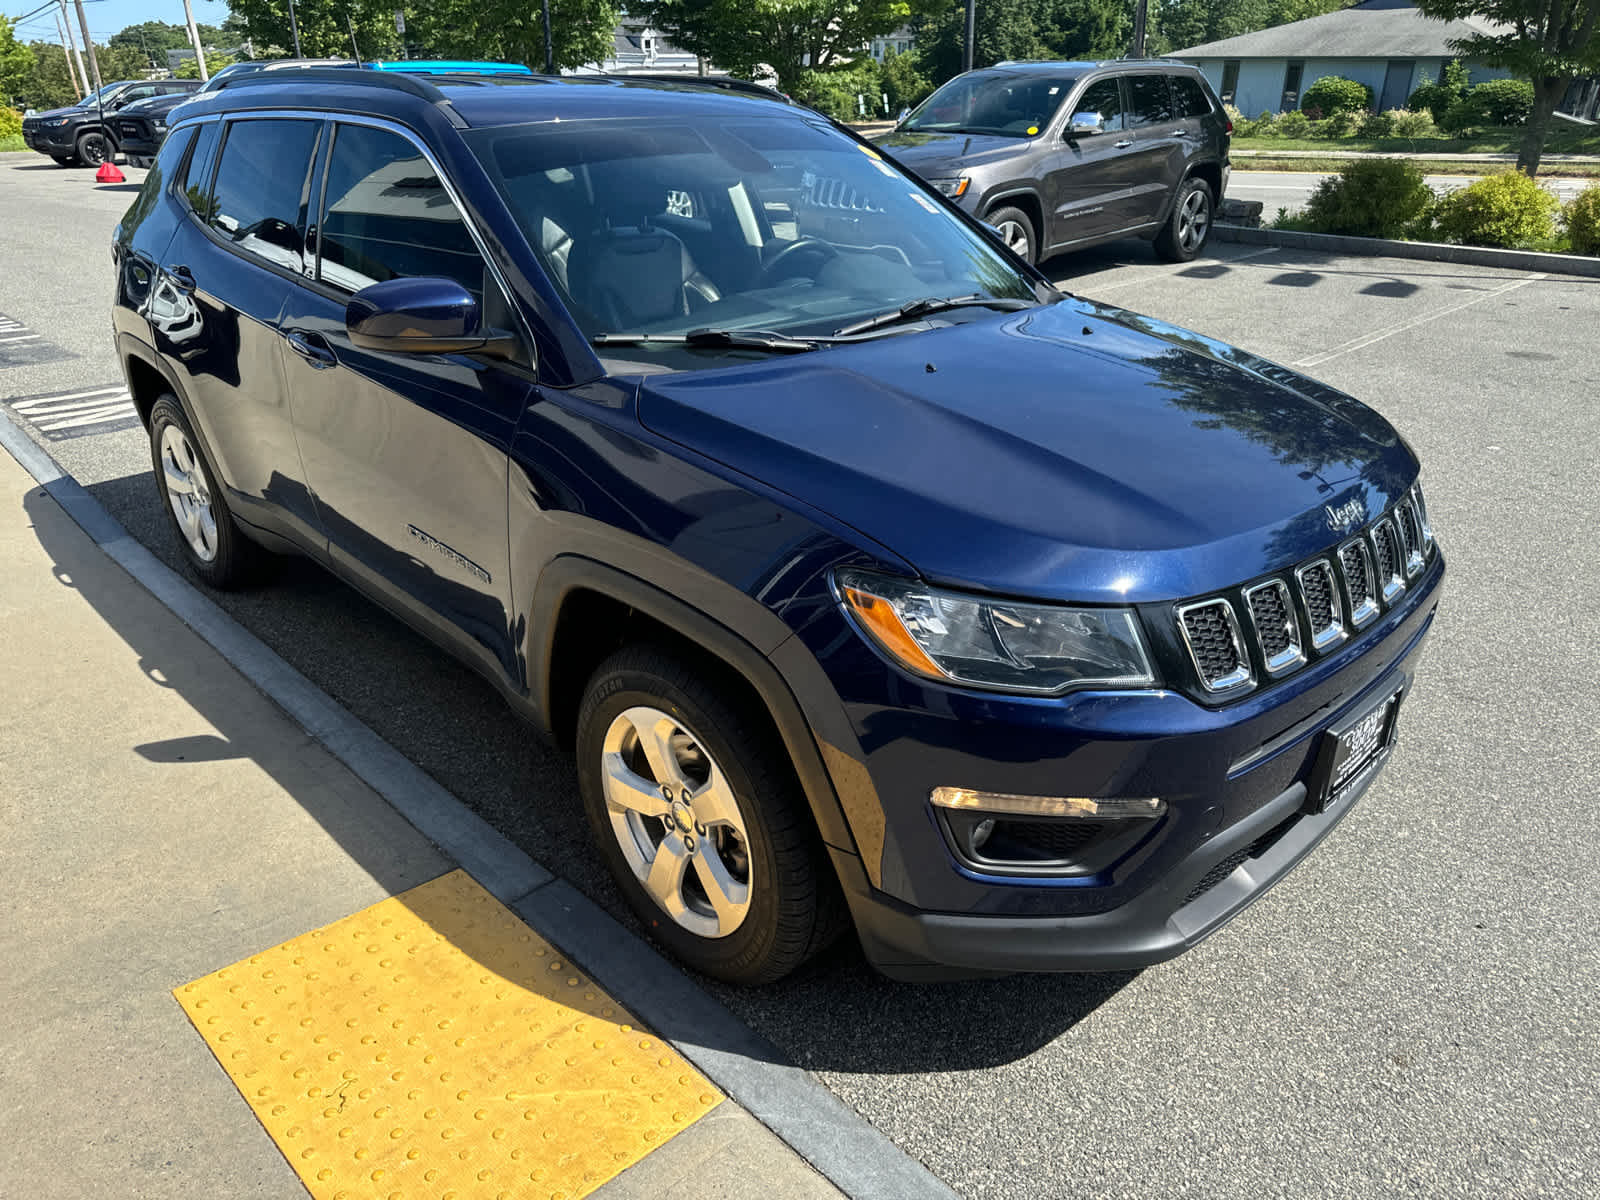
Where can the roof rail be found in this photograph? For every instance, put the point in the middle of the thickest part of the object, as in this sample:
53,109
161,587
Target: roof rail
394,82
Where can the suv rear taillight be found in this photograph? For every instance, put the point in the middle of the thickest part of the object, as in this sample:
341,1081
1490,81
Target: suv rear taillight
1227,125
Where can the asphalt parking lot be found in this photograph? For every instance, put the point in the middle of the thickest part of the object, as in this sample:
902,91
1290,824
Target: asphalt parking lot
1410,1012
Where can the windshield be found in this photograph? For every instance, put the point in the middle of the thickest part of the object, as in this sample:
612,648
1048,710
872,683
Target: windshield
780,225
1002,103
104,96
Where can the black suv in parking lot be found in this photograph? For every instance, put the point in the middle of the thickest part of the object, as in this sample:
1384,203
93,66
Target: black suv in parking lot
1062,155
866,576
84,134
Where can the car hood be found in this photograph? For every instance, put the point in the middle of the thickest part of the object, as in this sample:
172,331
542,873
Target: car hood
1074,451
931,155
69,111
155,106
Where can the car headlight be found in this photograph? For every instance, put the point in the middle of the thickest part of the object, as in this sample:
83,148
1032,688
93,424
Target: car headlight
159,123
954,188
1041,649
56,122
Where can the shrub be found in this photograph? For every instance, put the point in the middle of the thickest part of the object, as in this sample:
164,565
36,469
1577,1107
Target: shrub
1377,125
1498,102
1292,125
1266,125
1583,220
1341,124
1371,197
1507,209
10,123
834,92
901,76
1438,98
1406,123
1333,93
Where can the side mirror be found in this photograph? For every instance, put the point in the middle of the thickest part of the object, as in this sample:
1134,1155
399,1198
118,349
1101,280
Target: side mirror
1085,124
422,315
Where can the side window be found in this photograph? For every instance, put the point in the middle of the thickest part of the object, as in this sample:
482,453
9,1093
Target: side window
258,198
387,216
1105,98
1188,97
1148,102
195,179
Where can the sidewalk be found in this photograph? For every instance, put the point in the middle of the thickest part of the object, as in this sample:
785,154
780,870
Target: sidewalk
162,822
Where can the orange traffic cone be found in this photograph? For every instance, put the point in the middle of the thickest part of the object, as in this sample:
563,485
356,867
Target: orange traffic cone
109,172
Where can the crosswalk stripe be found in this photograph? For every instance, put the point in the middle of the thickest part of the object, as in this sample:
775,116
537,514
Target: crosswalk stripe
47,400
93,418
35,408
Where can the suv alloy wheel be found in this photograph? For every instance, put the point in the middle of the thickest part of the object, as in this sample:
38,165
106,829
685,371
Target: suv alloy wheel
1189,225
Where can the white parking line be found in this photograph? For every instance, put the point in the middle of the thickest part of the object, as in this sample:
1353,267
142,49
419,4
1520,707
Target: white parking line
109,413
27,337
1369,339
1094,289
40,405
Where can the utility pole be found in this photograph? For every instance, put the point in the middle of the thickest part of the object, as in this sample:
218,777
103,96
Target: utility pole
549,46
1141,17
294,29
88,44
67,47
194,39
972,24
355,50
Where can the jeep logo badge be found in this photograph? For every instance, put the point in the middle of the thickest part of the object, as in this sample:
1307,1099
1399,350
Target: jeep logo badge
1346,517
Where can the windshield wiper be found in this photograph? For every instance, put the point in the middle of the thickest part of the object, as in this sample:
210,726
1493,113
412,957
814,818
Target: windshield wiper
932,304
739,339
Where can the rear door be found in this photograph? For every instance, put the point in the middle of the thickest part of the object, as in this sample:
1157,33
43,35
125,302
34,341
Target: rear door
1159,149
1086,182
405,453
215,310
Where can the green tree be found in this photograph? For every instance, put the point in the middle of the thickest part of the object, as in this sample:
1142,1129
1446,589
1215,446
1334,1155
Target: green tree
1176,24
189,68
48,84
323,30
16,63
1549,42
512,30
742,36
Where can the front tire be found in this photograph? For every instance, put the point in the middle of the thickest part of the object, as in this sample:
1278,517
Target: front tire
1017,231
210,540
94,148
697,812
1188,226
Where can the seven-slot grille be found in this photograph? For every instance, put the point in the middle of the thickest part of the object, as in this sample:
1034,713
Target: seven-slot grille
1368,571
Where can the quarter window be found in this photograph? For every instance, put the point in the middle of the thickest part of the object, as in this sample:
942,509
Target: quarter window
259,197
1188,97
196,177
1105,98
1148,102
387,215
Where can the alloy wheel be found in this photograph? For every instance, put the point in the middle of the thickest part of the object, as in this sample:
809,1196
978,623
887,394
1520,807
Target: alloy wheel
1194,218
93,149
188,493
1014,236
677,821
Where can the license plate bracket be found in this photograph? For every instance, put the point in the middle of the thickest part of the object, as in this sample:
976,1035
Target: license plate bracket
1350,750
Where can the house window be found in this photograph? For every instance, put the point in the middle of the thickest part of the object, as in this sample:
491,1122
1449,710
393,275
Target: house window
1230,79
1291,84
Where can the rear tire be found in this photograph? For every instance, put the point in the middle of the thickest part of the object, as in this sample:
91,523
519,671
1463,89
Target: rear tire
1017,231
1188,226
736,826
208,537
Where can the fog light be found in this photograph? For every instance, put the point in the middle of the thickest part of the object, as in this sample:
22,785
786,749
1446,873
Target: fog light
980,833
1106,808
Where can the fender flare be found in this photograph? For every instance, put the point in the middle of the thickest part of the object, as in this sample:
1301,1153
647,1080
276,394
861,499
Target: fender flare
571,572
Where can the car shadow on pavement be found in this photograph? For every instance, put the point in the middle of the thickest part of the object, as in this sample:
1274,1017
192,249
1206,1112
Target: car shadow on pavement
835,1015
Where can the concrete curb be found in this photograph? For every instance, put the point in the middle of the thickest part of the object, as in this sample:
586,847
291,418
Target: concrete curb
1476,256
1465,157
833,1138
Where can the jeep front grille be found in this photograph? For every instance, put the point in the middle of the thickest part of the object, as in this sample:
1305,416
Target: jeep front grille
1233,639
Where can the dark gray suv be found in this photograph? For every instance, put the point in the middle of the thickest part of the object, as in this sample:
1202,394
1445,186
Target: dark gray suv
1061,155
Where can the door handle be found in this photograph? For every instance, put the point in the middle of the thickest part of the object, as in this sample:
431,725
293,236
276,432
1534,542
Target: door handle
310,347
1183,133
182,279
1123,144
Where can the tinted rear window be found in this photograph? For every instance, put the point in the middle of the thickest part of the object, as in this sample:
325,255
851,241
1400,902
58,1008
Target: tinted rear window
1188,97
259,197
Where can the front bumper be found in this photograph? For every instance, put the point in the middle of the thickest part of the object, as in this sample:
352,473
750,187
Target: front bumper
54,142
1236,779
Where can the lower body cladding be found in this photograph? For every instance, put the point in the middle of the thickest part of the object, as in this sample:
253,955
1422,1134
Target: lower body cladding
1231,800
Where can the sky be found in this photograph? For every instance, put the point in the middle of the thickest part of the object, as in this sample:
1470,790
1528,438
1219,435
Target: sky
106,17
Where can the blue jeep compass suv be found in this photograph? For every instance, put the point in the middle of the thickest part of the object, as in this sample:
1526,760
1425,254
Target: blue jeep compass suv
867,577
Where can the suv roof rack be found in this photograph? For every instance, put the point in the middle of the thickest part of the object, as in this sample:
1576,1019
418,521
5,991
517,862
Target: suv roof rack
721,83
346,77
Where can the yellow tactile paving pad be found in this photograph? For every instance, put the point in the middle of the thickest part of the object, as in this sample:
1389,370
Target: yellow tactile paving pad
435,1046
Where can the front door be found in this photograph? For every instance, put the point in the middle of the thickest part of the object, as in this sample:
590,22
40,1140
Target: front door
405,453
1086,182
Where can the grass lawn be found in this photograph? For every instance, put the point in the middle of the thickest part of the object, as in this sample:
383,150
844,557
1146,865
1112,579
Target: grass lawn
14,142
1324,166
1484,141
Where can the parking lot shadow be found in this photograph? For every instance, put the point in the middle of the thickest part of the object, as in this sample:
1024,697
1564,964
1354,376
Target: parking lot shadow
836,1014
